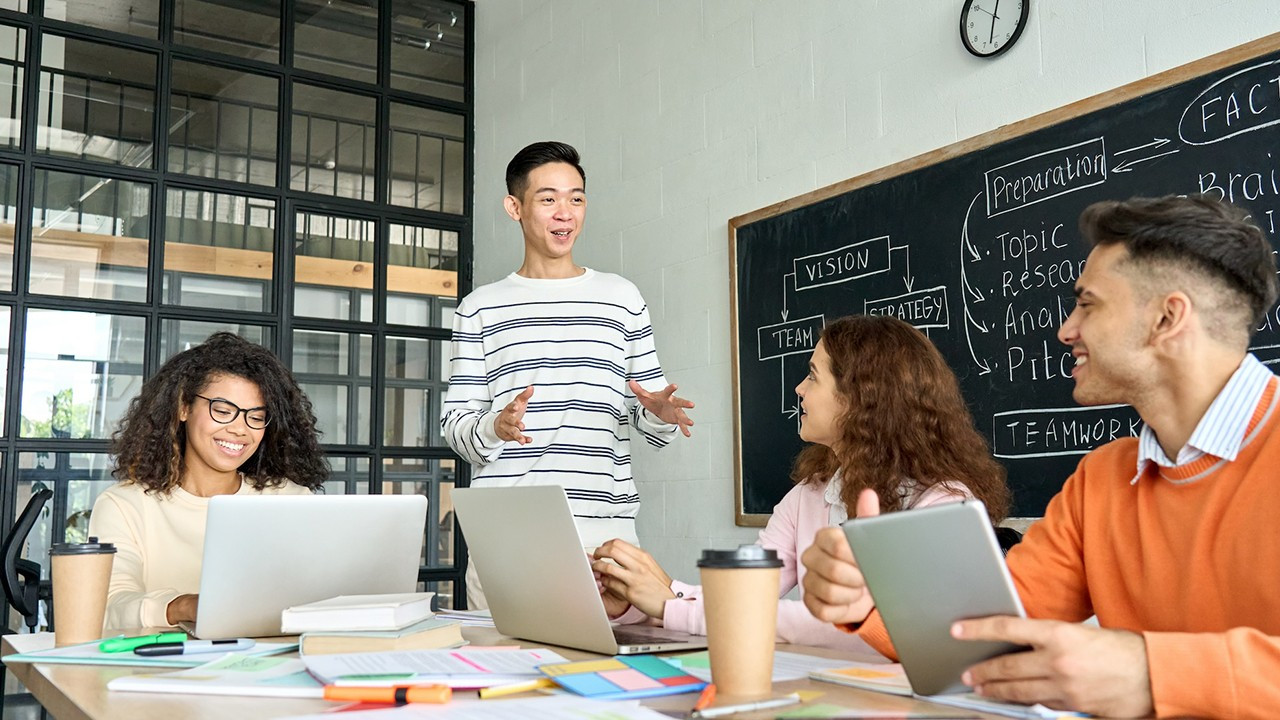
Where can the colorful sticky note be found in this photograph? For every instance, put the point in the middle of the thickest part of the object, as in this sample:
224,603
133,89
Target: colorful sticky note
622,677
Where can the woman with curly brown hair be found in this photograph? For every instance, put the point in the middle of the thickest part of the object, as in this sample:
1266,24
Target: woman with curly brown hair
882,410
223,418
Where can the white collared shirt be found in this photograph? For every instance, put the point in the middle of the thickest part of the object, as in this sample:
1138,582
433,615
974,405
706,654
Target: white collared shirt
1221,431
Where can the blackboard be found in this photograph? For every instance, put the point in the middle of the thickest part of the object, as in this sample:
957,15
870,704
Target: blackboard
977,245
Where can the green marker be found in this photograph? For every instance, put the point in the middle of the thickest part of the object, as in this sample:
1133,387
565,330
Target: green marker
124,644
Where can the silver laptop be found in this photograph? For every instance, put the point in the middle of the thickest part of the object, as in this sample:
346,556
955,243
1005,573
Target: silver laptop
537,577
265,553
926,569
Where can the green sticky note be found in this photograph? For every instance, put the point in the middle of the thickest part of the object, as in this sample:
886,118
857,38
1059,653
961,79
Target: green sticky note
694,660
251,663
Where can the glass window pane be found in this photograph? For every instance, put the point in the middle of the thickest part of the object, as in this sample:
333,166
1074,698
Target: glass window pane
334,135
247,29
347,475
333,263
89,236
8,223
218,250
97,102
76,480
13,49
426,159
136,17
428,48
446,522
333,369
20,6
79,372
5,312
414,392
179,335
433,479
222,123
337,38
422,274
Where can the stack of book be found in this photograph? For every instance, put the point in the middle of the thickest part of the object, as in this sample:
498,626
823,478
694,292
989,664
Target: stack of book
370,623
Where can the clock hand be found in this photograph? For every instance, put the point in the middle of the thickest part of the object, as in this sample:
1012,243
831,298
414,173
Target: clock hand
994,17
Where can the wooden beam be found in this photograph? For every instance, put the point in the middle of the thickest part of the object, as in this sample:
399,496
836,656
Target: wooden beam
71,246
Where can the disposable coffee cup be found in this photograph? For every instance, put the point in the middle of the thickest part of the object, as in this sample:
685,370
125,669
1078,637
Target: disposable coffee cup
81,573
740,594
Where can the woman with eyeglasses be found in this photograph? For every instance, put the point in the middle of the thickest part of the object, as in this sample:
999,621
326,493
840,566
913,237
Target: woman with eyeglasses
223,418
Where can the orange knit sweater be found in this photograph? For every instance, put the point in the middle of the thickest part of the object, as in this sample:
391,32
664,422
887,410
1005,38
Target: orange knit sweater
1188,556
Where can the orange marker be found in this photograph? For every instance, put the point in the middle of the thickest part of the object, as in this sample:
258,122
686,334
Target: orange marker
398,695
707,697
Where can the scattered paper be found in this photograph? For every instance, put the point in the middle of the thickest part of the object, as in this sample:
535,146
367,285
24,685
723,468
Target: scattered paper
548,708
468,618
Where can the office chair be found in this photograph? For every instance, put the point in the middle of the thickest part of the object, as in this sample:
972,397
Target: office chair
1007,537
22,588
21,577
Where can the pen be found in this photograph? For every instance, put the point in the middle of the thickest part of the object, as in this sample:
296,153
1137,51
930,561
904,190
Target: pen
791,699
513,688
707,697
121,644
357,678
399,695
190,647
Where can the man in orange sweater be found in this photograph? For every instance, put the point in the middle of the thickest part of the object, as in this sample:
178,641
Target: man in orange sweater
1170,539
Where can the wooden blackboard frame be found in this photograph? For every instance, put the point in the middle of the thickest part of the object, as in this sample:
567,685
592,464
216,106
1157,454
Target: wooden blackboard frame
1159,81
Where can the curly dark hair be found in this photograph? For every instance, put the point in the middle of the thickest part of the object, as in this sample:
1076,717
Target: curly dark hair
904,419
150,443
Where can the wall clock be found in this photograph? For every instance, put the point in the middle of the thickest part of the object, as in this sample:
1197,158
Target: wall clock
990,27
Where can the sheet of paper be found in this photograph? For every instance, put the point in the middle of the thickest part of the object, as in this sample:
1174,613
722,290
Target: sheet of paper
786,666
433,662
469,618
548,708
89,654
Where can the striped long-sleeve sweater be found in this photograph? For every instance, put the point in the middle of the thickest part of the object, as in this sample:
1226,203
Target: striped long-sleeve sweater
577,341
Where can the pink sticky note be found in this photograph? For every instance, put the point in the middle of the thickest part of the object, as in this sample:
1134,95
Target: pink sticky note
630,679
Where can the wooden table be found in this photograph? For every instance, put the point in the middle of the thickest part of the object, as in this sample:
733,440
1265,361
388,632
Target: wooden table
79,692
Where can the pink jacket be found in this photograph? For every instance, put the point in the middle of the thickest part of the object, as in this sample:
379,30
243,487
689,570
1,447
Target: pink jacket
791,529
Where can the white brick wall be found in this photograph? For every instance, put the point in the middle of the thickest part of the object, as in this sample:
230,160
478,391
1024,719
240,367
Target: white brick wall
689,112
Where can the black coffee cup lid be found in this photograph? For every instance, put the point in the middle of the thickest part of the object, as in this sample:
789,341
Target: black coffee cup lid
92,547
745,556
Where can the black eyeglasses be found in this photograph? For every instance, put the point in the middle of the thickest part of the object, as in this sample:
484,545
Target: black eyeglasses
225,412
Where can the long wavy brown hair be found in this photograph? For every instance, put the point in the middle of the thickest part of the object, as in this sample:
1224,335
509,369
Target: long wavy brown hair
904,419
150,444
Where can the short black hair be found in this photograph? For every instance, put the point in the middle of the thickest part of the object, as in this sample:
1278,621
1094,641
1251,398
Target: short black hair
535,156
1212,238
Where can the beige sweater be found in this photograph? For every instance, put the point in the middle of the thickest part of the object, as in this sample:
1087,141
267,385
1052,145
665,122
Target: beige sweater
159,548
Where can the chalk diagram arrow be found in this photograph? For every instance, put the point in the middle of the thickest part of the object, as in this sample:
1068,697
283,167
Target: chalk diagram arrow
785,311
970,254
907,279
1155,144
1127,164
794,410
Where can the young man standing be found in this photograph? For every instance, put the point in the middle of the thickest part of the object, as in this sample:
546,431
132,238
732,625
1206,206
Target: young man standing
552,363
1170,539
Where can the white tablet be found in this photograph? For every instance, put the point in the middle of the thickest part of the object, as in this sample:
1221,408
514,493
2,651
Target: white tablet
926,569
